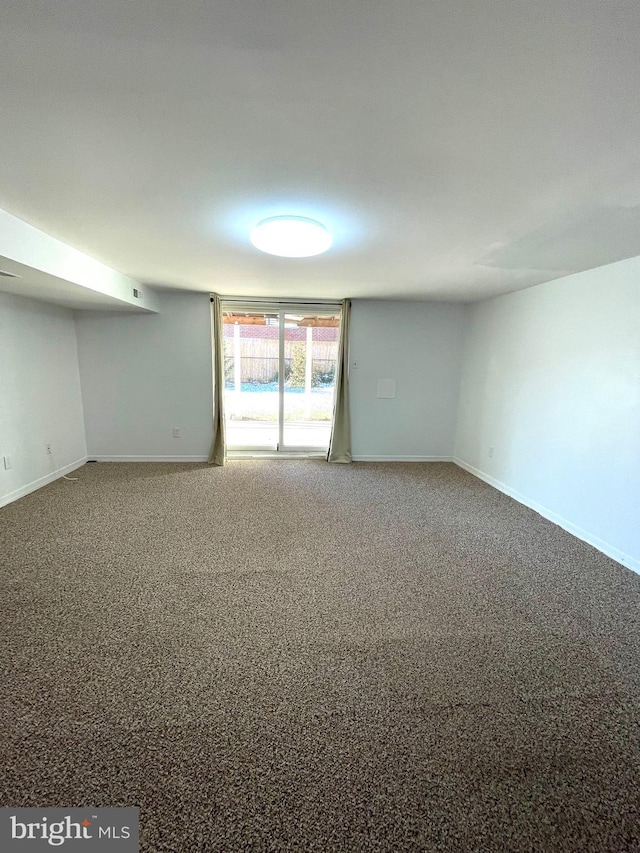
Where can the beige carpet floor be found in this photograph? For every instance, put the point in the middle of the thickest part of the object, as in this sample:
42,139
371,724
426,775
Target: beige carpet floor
292,656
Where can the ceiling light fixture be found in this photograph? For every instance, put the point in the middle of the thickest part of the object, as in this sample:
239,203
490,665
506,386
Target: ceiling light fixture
291,237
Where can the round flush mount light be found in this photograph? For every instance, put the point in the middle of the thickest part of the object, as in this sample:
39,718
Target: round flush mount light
291,237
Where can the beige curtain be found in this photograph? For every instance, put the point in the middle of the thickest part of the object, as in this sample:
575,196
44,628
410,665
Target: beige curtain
219,450
340,444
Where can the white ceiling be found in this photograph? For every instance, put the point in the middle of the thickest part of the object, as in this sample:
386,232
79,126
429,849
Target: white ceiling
455,148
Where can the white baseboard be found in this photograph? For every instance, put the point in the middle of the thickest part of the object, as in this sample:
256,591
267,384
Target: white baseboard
242,454
100,458
41,481
605,547
368,458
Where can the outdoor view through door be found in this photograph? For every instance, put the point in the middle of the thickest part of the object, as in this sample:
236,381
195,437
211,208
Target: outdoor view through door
280,365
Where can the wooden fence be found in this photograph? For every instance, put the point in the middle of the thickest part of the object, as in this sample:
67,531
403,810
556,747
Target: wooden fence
259,358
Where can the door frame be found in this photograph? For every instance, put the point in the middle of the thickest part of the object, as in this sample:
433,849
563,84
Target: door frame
281,307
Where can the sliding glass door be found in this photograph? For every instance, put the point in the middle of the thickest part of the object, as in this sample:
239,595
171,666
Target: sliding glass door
280,365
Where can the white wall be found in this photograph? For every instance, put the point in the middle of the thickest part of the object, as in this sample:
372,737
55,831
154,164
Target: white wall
40,398
551,381
419,345
143,375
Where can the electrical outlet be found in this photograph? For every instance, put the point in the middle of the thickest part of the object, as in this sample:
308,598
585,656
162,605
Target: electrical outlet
47,448
7,462
176,432
491,453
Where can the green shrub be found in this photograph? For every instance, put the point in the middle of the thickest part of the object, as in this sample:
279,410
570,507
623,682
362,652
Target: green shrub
298,364
322,378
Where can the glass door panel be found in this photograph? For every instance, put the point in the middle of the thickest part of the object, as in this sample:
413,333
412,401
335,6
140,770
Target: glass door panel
251,394
310,353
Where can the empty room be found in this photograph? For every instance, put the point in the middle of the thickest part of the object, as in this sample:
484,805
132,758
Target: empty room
320,426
